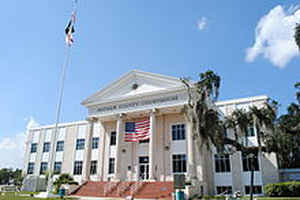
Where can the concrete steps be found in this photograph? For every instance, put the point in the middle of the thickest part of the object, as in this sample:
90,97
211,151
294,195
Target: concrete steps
140,190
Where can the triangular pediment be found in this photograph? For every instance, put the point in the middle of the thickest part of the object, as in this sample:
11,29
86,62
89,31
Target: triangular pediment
133,84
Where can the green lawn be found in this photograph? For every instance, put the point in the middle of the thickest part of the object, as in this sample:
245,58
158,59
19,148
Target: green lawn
13,196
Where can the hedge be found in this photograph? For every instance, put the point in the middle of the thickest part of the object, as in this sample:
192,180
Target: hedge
285,189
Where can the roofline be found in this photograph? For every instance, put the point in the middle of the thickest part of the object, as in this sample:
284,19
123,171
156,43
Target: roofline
242,100
103,90
59,125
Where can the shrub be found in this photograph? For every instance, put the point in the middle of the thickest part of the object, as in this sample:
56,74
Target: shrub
285,189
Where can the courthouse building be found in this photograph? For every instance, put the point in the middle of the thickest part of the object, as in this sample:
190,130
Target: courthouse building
105,147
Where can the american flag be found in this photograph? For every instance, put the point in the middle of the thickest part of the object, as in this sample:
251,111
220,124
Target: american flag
136,131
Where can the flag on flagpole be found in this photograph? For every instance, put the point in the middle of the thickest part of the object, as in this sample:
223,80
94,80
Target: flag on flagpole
69,30
137,131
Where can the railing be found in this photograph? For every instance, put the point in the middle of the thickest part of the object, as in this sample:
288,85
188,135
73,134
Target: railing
109,187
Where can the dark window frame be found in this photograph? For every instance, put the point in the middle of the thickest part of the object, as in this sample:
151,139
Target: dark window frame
179,162
93,168
30,168
222,163
57,167
80,144
257,189
33,148
113,138
111,166
43,167
246,162
224,189
178,132
60,145
77,168
95,142
46,147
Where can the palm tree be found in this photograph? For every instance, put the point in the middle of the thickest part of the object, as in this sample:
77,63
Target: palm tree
200,110
297,35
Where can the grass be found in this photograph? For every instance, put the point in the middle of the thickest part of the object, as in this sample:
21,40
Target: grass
15,196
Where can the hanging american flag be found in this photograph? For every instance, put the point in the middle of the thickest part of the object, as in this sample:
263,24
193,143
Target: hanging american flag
69,30
137,131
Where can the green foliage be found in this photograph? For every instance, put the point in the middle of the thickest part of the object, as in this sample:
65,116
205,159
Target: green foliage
63,179
285,189
297,35
10,176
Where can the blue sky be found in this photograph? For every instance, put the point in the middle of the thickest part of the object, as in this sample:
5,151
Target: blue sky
176,38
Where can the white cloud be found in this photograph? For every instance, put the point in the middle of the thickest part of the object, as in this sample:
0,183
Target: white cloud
274,36
202,23
12,149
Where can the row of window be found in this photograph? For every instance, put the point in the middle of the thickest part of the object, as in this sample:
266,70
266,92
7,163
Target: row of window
80,143
222,163
178,133
257,189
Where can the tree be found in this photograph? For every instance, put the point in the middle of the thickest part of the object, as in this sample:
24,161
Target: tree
297,35
63,179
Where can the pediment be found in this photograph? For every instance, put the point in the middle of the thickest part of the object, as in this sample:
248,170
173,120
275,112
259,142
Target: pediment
133,84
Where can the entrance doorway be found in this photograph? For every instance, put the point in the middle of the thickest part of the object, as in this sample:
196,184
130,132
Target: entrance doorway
144,168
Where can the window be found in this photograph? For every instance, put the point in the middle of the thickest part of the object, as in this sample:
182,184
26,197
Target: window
33,148
113,138
80,144
57,167
178,132
46,147
44,167
60,146
93,167
30,168
247,162
111,166
77,168
224,189
250,132
222,163
95,143
144,141
179,163
257,189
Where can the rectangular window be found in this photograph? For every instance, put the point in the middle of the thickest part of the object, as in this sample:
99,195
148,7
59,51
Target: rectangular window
250,131
179,163
257,189
57,167
224,190
95,143
44,167
178,132
46,147
80,144
93,167
30,168
144,141
60,146
222,163
111,167
250,163
77,168
33,148
113,138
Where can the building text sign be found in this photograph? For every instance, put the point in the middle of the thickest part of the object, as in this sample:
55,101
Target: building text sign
135,104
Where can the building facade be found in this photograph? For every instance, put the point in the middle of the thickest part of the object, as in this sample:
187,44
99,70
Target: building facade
96,149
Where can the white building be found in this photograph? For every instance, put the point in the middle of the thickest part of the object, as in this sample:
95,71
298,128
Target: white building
96,150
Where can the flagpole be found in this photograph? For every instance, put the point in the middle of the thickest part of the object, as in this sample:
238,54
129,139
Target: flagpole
58,111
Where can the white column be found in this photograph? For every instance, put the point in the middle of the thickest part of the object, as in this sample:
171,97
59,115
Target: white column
118,147
88,149
191,152
152,145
